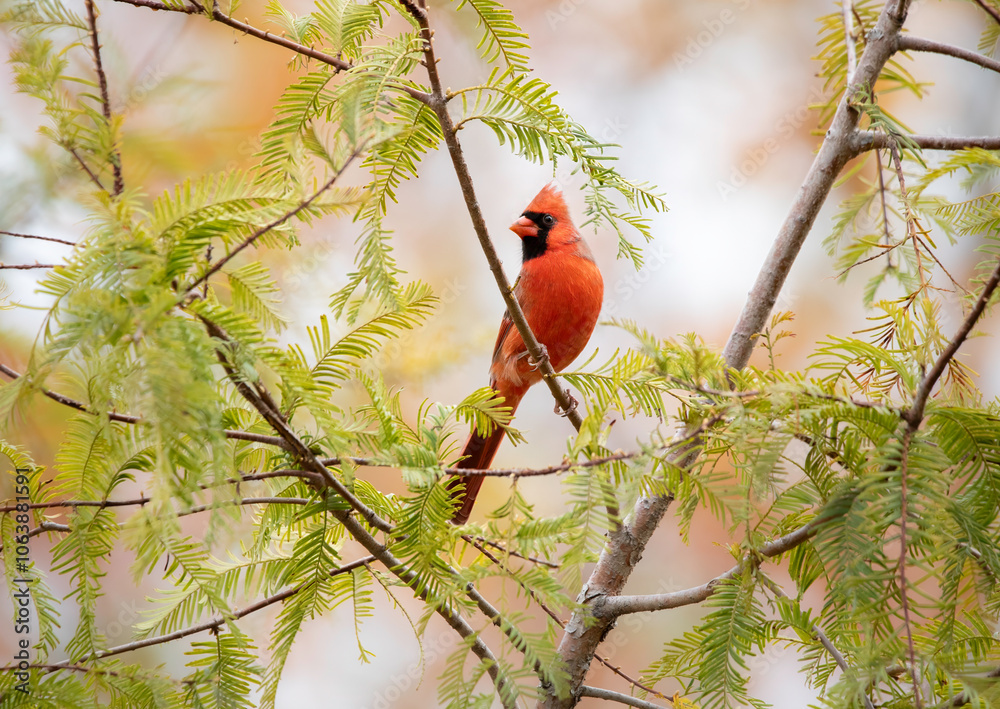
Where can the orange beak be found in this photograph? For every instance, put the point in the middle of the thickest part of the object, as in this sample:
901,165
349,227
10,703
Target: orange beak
524,227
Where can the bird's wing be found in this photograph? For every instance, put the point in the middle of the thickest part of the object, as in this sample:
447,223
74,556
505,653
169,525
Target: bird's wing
506,325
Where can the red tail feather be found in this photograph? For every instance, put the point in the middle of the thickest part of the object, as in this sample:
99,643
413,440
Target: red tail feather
479,451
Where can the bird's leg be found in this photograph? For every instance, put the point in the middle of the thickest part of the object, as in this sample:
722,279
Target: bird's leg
573,403
531,362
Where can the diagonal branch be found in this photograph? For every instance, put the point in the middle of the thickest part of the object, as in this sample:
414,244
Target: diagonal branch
835,151
259,399
209,624
915,414
989,10
216,14
102,81
250,240
26,266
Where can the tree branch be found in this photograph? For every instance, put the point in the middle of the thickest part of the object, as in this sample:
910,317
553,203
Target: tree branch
102,81
126,418
909,43
626,544
216,14
621,605
358,531
40,238
86,168
26,266
865,140
608,695
989,10
195,8
209,624
835,151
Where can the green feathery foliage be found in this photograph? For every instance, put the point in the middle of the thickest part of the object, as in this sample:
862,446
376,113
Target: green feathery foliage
230,457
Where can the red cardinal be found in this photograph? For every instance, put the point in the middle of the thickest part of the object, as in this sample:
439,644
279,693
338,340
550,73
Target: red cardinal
560,290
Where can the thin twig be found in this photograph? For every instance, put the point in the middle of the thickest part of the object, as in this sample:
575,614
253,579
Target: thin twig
477,541
126,418
209,624
276,223
26,266
102,80
438,103
909,43
885,210
824,640
245,28
915,414
40,238
86,168
904,594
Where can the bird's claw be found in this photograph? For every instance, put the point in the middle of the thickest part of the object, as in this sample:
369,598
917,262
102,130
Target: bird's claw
545,355
573,403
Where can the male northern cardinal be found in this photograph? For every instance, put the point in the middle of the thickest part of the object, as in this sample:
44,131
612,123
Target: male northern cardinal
560,290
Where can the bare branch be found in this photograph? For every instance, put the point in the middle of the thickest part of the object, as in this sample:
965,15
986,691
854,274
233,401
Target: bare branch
608,695
616,606
196,8
86,168
909,43
480,542
26,266
40,238
870,140
102,81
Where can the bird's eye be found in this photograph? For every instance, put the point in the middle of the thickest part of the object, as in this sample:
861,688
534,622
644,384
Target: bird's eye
548,220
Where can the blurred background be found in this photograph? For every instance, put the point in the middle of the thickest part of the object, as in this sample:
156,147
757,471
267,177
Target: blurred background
709,101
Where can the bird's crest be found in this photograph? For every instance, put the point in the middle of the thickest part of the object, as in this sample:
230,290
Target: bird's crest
550,200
